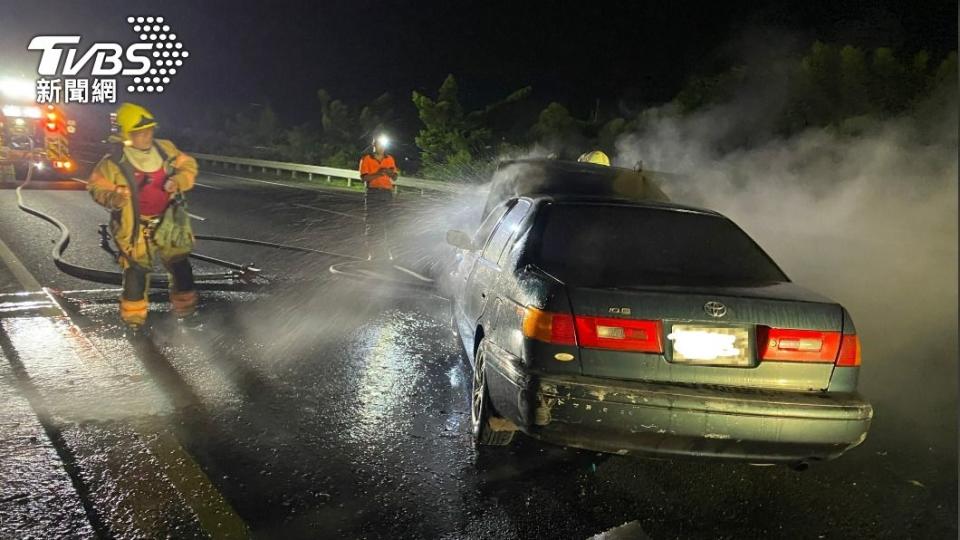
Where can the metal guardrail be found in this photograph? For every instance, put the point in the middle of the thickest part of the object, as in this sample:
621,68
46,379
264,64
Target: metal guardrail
351,176
316,170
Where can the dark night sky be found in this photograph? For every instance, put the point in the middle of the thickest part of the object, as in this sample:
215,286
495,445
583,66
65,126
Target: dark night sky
575,52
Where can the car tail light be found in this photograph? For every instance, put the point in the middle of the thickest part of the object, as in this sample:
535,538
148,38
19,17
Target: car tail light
783,345
620,334
549,327
849,351
593,332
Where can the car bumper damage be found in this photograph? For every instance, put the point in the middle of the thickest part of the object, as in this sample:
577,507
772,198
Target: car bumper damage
633,417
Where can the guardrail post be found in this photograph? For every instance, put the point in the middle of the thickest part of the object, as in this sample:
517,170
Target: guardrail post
263,169
329,179
310,176
250,168
349,182
278,172
293,174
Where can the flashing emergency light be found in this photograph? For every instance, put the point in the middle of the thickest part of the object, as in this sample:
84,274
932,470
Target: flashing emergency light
51,121
19,89
16,111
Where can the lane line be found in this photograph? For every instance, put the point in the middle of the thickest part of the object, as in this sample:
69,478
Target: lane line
214,513
19,271
208,186
325,210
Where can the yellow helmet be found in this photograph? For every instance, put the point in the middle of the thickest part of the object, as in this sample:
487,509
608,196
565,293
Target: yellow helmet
132,117
596,157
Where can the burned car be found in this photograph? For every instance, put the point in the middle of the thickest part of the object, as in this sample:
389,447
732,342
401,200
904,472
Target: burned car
647,327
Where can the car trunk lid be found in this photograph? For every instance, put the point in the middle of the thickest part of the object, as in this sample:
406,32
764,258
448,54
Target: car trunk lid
706,335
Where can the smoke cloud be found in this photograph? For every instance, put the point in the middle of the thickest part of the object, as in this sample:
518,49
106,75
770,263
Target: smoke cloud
868,220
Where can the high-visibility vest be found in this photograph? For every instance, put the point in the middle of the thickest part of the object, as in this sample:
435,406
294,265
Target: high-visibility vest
369,164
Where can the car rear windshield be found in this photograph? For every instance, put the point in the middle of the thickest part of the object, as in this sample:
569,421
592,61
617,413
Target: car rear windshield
624,246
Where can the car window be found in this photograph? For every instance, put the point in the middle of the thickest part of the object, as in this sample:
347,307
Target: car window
483,233
505,229
624,246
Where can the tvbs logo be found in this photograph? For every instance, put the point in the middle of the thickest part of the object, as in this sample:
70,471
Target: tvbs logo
151,62
108,58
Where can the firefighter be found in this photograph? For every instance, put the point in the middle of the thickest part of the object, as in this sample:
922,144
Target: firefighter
378,170
142,183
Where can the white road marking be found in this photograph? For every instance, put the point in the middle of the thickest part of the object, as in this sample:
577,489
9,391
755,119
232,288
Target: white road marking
19,271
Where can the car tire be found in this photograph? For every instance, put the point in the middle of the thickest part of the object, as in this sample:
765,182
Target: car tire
481,410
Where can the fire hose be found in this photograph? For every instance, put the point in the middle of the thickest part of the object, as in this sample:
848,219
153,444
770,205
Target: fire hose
244,275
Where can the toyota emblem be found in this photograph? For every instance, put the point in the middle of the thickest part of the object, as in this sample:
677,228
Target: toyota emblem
715,309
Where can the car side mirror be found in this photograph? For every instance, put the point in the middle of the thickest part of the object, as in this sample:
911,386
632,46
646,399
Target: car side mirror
460,240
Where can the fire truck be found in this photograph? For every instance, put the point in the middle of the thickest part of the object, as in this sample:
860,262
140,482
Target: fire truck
40,133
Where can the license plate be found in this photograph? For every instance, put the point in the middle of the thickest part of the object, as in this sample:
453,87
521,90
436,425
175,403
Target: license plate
719,346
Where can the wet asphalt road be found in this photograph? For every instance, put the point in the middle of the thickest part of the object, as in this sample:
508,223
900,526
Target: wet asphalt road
322,407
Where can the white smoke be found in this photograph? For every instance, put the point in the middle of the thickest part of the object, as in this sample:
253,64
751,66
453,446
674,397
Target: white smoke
868,220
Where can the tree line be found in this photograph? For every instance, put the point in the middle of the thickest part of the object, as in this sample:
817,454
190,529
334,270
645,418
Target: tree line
831,86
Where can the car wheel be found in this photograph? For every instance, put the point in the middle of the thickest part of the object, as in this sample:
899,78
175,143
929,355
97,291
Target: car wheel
480,410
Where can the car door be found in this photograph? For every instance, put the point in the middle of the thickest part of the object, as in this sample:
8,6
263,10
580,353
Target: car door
486,269
466,259
463,269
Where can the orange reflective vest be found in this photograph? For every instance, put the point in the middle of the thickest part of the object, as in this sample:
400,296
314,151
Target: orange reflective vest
369,164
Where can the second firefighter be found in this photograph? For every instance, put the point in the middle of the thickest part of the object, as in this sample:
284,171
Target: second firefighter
142,183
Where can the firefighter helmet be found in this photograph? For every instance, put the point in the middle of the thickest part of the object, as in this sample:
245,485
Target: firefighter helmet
132,117
597,157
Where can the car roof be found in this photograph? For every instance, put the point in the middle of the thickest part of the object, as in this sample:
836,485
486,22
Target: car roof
525,177
575,199
563,165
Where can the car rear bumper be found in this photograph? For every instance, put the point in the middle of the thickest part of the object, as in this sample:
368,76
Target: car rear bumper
628,417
